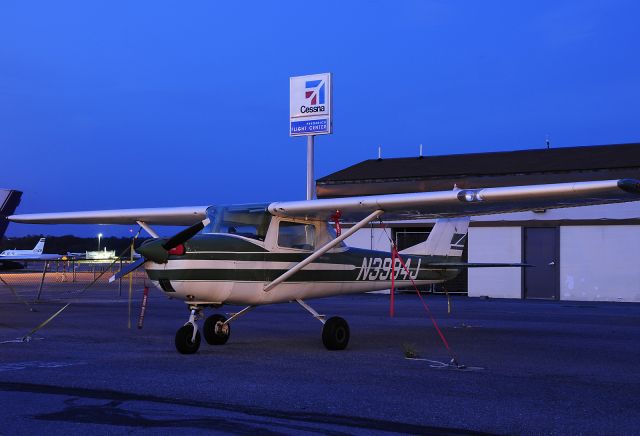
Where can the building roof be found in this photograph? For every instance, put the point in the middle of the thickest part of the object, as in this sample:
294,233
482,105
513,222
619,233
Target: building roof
493,163
483,169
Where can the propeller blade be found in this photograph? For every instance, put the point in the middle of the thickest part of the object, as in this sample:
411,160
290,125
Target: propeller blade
129,268
157,250
185,235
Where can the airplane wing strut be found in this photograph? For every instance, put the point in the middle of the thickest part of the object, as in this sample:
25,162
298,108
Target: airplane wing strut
148,229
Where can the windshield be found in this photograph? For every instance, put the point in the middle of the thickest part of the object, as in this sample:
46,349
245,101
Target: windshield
248,220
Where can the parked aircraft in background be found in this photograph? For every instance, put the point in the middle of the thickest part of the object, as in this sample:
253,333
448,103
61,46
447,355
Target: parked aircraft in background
9,258
24,254
34,254
288,251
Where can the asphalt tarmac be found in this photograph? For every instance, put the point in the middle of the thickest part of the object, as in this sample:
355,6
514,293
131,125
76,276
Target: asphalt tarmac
532,367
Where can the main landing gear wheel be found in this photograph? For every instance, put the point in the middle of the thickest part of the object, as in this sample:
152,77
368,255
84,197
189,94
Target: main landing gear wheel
335,333
185,343
216,332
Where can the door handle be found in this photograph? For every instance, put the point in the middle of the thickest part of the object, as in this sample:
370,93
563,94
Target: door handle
552,263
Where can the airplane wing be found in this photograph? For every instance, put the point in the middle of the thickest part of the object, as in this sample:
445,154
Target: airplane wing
170,216
440,204
464,202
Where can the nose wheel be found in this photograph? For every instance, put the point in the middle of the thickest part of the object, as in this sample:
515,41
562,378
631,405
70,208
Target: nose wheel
216,330
186,341
188,336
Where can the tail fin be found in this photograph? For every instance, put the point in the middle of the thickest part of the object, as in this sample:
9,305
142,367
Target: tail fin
447,238
39,248
9,200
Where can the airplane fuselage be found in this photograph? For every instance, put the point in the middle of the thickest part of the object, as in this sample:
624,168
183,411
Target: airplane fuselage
26,255
231,269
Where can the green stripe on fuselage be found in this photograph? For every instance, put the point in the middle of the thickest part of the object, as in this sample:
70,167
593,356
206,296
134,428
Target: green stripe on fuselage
368,265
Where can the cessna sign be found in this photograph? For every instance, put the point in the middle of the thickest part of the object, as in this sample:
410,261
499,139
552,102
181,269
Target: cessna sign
310,105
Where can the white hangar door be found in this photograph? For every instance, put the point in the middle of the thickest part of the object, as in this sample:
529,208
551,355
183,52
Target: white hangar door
541,249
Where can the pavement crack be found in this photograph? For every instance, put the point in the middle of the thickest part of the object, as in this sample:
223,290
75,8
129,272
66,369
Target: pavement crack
255,418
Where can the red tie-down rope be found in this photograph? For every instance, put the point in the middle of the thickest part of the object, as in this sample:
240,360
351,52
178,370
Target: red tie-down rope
395,254
392,292
336,221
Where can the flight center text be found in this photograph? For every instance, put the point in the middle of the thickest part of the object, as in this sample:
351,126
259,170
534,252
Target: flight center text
376,268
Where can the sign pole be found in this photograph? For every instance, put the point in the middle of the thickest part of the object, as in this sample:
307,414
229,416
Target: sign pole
310,176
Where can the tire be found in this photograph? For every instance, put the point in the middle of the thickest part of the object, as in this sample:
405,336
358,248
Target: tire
335,334
212,336
184,344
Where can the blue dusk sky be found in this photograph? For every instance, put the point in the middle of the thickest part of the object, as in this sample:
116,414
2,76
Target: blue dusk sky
124,104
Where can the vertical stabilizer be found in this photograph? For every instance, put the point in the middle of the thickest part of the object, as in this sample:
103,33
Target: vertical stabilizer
39,248
447,238
9,200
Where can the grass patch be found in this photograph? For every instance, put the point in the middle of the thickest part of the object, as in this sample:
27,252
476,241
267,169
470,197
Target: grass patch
409,351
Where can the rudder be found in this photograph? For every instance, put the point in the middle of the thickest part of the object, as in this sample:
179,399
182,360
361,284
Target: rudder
447,238
39,248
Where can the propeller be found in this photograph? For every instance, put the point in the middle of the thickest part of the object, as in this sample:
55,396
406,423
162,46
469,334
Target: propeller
157,250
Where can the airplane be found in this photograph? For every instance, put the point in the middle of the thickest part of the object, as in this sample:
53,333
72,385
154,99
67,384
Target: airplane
25,254
9,258
257,254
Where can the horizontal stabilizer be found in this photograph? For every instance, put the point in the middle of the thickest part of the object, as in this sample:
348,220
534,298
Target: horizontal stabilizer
446,265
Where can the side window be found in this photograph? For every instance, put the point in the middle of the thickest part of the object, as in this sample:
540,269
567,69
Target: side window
296,235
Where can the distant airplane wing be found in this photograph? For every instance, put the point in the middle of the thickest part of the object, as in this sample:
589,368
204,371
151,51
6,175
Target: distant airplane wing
464,202
170,216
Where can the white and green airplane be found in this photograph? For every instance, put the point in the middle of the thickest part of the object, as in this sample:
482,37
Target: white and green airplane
280,252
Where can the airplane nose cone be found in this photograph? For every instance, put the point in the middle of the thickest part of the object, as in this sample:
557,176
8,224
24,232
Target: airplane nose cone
154,251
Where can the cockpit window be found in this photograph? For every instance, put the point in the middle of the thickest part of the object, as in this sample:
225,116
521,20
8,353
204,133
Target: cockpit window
250,221
296,235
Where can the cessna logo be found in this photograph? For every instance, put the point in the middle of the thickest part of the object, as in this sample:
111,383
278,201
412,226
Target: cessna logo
315,95
376,268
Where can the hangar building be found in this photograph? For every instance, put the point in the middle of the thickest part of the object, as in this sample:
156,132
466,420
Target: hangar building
588,253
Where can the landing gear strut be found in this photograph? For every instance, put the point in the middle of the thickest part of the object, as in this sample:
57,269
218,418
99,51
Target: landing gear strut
216,330
335,330
188,336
